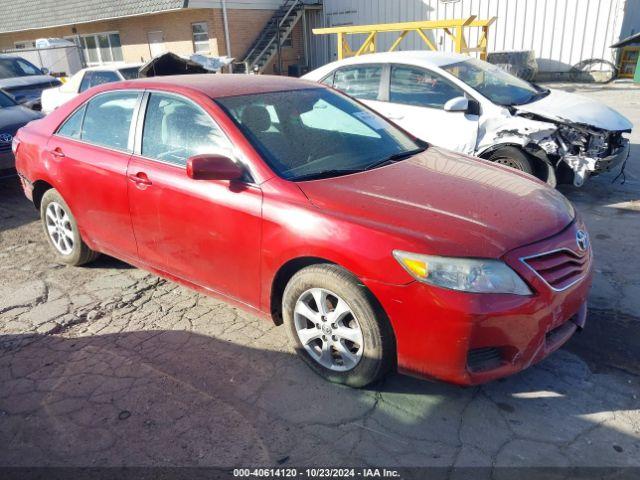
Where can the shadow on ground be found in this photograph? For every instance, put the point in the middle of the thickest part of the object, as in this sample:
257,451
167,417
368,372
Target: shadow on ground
179,398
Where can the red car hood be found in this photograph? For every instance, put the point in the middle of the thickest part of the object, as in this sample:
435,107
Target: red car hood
458,205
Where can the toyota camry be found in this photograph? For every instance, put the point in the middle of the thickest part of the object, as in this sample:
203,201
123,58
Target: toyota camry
377,251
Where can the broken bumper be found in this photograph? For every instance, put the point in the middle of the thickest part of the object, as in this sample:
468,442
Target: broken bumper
584,166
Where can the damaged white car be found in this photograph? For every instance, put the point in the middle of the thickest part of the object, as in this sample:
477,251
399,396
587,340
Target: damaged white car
471,106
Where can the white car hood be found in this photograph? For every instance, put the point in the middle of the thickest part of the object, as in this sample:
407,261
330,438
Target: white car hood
572,108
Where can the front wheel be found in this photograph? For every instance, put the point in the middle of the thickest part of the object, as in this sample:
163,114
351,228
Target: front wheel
337,327
514,158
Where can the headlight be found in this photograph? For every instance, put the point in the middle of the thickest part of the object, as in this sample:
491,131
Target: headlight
463,274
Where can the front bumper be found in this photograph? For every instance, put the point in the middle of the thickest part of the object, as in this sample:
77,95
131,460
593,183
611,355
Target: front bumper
584,166
469,339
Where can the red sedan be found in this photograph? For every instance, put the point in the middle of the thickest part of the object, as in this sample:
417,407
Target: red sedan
298,203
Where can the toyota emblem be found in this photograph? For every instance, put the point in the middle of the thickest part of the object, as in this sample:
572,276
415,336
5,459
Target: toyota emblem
582,239
5,138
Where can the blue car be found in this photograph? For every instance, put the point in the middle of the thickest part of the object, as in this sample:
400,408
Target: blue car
24,81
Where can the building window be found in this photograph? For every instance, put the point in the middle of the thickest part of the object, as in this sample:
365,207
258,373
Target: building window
25,44
200,33
99,48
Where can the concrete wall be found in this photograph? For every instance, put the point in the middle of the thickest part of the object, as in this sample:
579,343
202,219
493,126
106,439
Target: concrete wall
560,32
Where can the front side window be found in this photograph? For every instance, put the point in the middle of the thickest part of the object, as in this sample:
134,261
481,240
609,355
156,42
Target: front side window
107,120
176,129
318,133
494,83
72,127
420,87
360,82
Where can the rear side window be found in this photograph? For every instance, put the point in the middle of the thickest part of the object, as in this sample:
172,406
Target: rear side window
176,129
107,121
421,88
72,127
97,77
360,82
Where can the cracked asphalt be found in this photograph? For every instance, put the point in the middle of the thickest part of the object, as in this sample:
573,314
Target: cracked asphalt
108,365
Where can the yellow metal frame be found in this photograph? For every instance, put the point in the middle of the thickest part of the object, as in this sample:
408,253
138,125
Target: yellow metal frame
453,28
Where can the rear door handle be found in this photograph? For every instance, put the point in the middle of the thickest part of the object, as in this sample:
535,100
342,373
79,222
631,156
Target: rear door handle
140,178
57,152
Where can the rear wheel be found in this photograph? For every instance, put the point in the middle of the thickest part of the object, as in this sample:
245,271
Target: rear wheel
62,232
336,326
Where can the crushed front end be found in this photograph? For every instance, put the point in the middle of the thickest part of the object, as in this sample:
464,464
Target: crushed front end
588,151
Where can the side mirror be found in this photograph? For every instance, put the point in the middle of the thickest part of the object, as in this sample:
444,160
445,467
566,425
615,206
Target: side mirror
45,71
457,104
21,99
213,167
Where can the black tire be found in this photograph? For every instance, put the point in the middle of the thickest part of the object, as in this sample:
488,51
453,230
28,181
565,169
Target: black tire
378,349
79,253
514,158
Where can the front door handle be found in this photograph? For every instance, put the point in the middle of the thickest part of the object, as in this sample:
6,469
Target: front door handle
140,178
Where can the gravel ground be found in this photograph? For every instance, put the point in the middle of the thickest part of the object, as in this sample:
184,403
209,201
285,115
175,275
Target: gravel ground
108,365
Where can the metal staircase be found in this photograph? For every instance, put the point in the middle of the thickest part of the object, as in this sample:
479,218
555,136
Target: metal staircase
276,31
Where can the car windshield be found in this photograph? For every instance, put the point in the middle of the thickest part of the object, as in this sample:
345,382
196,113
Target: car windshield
6,101
17,67
316,133
494,83
129,73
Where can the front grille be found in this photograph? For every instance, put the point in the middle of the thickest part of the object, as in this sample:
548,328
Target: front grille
481,359
561,268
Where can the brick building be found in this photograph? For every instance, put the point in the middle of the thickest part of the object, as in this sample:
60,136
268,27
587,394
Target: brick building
135,30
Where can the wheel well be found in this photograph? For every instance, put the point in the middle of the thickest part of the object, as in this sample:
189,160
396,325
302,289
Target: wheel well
39,187
281,279
540,159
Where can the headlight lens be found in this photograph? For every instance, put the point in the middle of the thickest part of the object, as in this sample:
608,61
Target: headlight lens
463,274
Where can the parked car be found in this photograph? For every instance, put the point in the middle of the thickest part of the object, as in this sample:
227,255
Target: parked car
12,117
86,78
471,106
298,203
24,81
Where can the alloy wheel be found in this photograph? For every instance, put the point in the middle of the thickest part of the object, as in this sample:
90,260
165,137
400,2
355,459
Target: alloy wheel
328,329
59,228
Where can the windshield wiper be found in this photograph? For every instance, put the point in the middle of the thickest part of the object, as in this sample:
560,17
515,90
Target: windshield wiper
334,172
394,158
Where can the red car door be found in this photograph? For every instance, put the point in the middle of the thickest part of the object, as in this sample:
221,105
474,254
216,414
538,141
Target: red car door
204,231
93,148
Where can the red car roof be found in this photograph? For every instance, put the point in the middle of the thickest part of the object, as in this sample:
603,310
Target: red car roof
225,85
